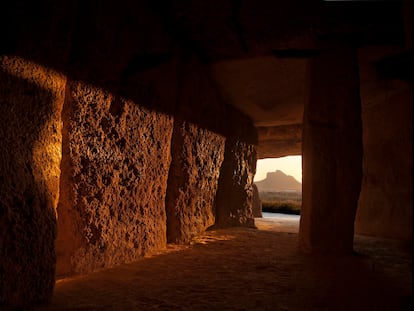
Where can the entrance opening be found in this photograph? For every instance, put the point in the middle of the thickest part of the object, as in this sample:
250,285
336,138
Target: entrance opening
279,184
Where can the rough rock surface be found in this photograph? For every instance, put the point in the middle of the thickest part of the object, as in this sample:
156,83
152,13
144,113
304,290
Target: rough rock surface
234,202
279,141
31,99
198,151
257,203
115,163
197,155
385,204
332,152
105,219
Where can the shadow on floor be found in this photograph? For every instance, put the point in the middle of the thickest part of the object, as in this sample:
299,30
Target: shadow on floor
248,269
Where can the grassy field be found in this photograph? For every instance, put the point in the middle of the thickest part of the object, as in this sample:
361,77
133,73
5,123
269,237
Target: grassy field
281,202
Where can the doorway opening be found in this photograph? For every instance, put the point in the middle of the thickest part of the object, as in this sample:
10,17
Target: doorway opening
279,186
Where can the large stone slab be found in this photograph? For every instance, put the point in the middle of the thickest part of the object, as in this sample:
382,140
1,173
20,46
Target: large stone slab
115,163
257,203
385,206
31,100
205,124
197,157
332,152
234,202
279,141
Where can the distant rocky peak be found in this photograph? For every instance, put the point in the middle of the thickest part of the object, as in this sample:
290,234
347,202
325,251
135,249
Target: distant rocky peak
277,172
278,181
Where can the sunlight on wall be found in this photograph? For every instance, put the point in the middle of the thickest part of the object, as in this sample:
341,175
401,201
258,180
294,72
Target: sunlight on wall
290,165
47,148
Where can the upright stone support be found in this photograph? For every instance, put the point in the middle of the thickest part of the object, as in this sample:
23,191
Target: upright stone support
115,162
197,150
31,100
385,206
197,155
234,200
331,152
257,203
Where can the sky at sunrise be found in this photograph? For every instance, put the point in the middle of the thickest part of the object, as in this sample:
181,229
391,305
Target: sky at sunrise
291,165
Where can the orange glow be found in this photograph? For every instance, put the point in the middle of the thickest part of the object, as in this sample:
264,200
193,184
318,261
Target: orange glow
290,165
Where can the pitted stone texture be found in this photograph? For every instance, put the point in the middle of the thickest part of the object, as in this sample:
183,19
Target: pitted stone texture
198,152
385,205
234,202
31,99
257,203
197,155
115,159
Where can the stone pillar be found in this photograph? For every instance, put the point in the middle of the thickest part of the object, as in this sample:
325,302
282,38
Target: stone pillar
257,203
197,151
234,200
331,152
385,206
32,91
116,157
197,155
31,100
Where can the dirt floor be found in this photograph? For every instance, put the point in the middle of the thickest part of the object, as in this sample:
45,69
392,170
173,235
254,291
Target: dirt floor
249,269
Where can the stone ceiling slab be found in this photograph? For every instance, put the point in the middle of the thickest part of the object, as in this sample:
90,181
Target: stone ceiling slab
270,90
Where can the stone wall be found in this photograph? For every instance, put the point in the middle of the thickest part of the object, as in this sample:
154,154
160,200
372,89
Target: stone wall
198,152
120,196
332,152
90,98
113,147
385,204
31,100
115,169
234,200
234,203
197,157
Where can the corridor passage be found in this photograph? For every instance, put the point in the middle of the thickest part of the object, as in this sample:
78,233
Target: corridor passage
248,269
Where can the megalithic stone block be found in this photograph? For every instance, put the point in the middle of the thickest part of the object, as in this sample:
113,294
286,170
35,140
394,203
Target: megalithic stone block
116,156
332,151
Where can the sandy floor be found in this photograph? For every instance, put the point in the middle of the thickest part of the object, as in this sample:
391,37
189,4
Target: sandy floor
249,269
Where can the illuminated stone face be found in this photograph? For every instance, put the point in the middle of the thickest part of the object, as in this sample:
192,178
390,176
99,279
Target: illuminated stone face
115,74
197,158
116,161
31,100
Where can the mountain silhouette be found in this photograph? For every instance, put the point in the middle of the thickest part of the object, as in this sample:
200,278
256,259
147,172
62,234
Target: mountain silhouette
278,181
